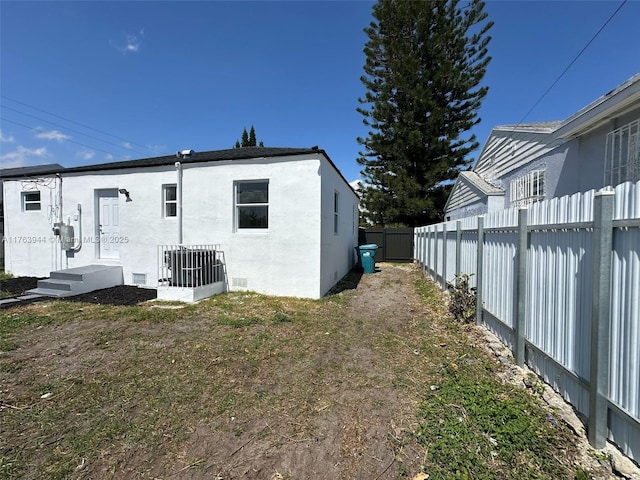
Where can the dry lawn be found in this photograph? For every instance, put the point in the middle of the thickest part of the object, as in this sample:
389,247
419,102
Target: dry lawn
244,386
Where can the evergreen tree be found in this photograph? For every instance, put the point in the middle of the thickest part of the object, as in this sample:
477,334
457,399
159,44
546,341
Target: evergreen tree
424,64
248,139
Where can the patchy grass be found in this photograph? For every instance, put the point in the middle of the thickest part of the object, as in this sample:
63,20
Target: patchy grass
249,385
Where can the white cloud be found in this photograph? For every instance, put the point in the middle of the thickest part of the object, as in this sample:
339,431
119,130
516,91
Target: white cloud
132,42
8,139
108,156
23,156
86,154
127,145
53,135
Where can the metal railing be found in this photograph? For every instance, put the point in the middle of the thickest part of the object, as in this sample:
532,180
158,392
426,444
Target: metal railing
189,266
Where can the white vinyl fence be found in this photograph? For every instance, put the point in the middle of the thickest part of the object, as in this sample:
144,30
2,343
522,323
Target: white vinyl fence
559,282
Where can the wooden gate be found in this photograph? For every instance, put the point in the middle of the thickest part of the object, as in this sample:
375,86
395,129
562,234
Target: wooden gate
394,244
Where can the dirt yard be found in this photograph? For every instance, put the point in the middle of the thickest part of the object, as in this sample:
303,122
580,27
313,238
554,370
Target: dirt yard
242,386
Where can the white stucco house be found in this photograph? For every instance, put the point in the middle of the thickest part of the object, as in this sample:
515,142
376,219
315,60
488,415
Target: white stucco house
524,163
279,221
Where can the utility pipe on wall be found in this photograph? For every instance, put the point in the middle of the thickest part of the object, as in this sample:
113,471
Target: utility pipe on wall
178,166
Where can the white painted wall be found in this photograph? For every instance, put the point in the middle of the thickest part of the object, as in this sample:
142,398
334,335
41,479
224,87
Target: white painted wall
298,255
338,254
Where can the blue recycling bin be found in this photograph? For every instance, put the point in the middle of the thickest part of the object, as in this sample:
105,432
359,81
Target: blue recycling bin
367,256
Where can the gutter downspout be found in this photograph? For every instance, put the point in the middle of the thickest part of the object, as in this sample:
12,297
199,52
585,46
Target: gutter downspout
60,217
178,166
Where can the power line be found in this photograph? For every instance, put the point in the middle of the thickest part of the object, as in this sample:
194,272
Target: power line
573,61
70,129
63,139
78,123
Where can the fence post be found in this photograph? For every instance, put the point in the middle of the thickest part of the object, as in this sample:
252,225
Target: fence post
425,249
444,256
458,245
600,317
520,290
434,254
479,259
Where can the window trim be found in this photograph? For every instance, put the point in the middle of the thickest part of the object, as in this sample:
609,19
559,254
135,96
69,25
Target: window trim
622,151
166,202
336,212
528,188
237,206
24,201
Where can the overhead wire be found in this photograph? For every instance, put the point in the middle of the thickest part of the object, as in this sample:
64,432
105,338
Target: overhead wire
62,139
574,60
76,123
70,129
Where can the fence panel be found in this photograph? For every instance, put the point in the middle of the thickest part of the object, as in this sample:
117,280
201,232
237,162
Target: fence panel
557,297
394,244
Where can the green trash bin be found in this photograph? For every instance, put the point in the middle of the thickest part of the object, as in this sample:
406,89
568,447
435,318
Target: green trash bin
367,256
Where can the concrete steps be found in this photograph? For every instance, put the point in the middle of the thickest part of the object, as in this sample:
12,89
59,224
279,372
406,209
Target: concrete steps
75,281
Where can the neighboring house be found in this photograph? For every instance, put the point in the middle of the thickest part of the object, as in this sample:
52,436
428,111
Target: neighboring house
284,219
525,163
34,170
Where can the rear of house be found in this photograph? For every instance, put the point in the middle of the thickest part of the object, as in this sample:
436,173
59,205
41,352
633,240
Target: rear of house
283,220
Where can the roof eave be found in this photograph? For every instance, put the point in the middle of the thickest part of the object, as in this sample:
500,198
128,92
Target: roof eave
613,104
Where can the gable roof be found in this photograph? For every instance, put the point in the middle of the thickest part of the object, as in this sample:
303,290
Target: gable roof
537,127
470,188
510,147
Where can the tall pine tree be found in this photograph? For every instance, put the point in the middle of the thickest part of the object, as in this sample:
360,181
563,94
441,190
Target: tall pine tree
248,139
425,61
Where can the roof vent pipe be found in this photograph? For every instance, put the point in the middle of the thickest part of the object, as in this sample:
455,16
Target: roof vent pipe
184,153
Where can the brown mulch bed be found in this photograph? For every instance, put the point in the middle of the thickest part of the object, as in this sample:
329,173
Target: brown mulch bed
19,285
120,295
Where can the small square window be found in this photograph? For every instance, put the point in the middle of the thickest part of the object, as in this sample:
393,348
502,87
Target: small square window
169,201
31,201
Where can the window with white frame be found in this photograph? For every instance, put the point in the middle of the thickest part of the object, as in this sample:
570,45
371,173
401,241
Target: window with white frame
622,154
336,198
169,201
528,188
252,204
31,201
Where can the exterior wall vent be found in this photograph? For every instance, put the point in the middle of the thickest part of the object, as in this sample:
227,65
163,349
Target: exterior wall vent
239,282
139,278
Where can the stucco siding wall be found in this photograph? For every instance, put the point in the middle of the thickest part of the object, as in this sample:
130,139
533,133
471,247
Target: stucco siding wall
337,250
30,246
284,259
551,163
280,260
478,207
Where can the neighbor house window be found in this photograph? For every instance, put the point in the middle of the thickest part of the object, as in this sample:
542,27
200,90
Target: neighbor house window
252,204
30,201
527,189
336,197
622,155
169,201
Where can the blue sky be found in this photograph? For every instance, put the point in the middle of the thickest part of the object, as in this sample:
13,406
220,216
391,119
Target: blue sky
140,79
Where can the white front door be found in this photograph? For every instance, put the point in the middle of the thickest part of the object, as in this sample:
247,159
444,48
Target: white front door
108,224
